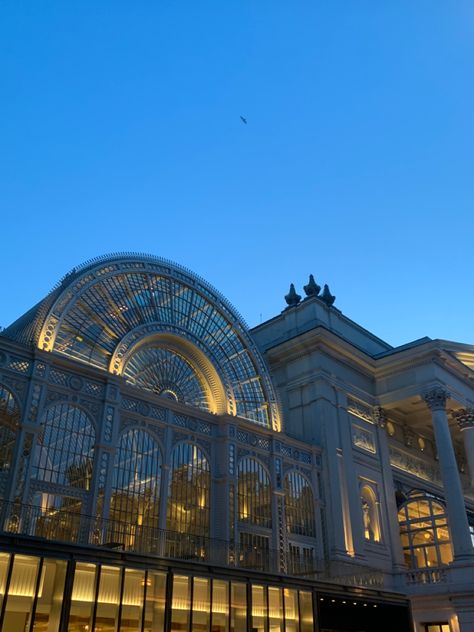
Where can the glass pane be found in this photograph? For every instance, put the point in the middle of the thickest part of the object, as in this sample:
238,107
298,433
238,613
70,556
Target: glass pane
83,597
201,604
155,602
4,562
21,593
220,606
259,609
238,605
306,612
108,602
50,596
446,553
180,604
291,610
132,601
275,609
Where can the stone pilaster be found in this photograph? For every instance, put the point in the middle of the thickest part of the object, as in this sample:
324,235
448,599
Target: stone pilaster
455,507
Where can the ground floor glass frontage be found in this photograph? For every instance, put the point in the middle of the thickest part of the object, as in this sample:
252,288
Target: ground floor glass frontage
44,594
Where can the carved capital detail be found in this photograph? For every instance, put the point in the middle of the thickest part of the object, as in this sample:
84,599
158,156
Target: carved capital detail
379,416
464,417
436,398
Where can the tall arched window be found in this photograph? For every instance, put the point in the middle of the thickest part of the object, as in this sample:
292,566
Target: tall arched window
189,491
134,504
424,532
65,450
9,424
299,505
63,457
370,513
254,495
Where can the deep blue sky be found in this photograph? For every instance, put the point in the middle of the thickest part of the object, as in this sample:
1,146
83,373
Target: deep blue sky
120,131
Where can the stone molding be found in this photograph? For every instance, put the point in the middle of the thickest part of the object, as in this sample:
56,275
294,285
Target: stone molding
379,416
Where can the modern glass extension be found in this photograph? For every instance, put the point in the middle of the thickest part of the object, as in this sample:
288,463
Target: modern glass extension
46,595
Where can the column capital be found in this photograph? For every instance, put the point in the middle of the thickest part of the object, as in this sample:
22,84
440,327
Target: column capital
436,398
379,416
464,417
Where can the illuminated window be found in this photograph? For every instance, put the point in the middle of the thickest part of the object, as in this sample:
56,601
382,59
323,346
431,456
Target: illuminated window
370,513
424,533
189,491
254,493
299,505
65,450
9,424
134,503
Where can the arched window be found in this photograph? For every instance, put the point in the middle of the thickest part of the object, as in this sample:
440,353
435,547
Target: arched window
299,505
65,450
370,514
189,491
254,495
424,532
9,424
134,504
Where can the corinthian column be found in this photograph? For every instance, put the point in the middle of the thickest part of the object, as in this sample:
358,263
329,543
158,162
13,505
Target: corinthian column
456,510
465,419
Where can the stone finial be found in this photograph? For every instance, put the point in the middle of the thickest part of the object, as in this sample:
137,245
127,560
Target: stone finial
436,398
464,417
326,296
312,289
292,298
380,416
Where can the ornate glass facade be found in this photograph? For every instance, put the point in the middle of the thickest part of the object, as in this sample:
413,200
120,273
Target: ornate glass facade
9,424
254,495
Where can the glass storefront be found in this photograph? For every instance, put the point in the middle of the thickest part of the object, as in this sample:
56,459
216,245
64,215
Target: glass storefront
35,597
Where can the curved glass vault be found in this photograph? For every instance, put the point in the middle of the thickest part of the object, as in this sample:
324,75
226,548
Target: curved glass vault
108,314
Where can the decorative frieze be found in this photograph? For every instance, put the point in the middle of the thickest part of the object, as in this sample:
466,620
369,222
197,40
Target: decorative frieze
360,410
413,465
363,438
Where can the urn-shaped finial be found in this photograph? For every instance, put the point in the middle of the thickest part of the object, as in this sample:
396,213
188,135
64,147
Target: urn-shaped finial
312,289
326,296
292,298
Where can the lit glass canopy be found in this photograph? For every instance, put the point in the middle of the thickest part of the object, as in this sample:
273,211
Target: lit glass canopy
163,329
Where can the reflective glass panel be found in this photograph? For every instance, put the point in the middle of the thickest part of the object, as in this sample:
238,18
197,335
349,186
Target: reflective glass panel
180,603
291,610
238,607
155,602
50,596
188,510
21,593
9,422
254,493
134,506
108,602
299,505
201,604
57,517
259,609
306,612
132,600
65,449
220,606
83,597
275,609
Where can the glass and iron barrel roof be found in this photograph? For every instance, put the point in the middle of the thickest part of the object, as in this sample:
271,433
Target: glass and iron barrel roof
161,327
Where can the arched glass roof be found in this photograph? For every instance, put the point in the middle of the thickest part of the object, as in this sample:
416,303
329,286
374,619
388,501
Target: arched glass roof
118,312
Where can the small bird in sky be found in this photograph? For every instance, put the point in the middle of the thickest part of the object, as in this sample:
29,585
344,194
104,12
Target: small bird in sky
244,120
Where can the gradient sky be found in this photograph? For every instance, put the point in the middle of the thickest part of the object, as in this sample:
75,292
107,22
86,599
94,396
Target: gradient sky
120,131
